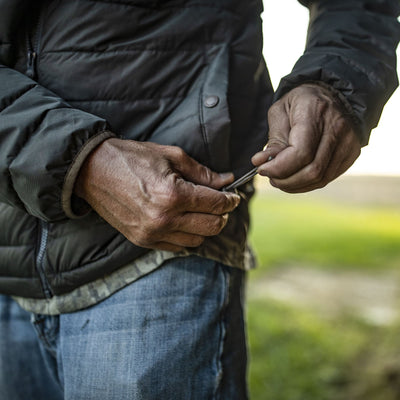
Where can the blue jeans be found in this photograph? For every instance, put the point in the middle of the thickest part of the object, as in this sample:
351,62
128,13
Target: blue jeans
177,333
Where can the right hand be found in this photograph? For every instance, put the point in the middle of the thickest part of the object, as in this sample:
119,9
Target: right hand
156,196
311,141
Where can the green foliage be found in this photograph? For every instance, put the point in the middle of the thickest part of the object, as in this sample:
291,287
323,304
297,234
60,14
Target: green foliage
297,354
322,234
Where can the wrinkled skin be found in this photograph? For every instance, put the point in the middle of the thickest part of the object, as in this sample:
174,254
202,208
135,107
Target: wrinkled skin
311,142
156,196
160,198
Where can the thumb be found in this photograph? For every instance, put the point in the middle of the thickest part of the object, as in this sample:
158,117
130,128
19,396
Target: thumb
278,136
197,173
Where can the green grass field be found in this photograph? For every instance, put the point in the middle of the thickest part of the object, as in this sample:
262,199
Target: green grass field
286,230
296,354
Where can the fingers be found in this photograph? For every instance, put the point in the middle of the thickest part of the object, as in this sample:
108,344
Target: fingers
176,224
202,199
192,230
311,142
187,234
292,158
195,172
191,186
312,172
167,247
327,166
183,239
279,128
294,139
144,192
201,224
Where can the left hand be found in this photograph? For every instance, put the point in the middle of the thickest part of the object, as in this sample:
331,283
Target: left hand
311,142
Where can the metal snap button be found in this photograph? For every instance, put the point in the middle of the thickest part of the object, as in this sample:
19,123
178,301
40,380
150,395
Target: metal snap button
211,101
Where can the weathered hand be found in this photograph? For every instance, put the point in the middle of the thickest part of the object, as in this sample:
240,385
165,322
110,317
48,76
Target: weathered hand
156,196
310,141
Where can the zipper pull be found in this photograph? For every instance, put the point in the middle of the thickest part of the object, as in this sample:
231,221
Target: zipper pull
31,64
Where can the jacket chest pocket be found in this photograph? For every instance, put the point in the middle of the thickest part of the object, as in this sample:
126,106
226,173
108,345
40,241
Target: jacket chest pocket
200,121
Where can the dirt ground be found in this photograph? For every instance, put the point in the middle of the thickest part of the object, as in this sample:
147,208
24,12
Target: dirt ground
373,297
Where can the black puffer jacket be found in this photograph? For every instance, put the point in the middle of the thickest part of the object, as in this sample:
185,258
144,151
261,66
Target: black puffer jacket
72,71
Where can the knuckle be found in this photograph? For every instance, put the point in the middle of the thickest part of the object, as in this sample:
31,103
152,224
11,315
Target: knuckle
316,172
219,207
177,152
218,224
174,199
331,144
197,241
158,221
171,196
304,155
207,175
150,230
153,227
341,124
277,142
143,239
321,102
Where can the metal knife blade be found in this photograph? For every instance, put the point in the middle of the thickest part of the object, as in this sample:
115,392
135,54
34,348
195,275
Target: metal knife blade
241,181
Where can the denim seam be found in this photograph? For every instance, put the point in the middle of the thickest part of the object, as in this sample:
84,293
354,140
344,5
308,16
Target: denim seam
45,335
222,326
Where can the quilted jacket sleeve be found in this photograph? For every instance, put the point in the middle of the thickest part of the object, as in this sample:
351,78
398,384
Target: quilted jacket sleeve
43,142
351,47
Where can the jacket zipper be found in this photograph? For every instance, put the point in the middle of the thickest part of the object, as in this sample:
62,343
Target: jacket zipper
42,244
32,44
31,64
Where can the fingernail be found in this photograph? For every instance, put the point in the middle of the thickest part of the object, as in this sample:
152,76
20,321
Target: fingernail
226,175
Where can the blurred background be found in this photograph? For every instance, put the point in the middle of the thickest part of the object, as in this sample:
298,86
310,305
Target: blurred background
323,305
